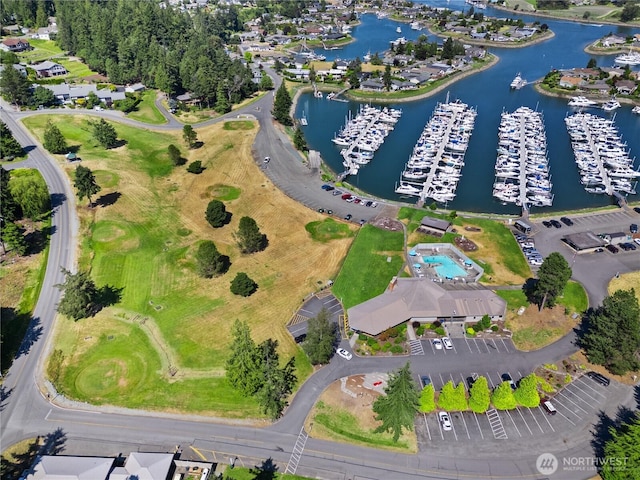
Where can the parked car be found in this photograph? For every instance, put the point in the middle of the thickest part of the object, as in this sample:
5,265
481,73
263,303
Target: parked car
357,200
330,212
547,223
329,188
612,248
633,228
348,216
507,378
625,246
335,193
425,381
556,223
636,209
351,199
346,195
445,421
437,343
374,204
598,377
344,354
362,221
368,203
472,379
446,341
637,240
548,406
321,210
567,221
325,186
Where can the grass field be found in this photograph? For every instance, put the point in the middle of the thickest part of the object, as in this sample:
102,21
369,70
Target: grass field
17,458
366,272
41,50
246,473
147,111
144,244
76,68
625,282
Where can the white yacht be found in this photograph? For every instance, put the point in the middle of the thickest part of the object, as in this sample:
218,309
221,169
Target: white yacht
631,58
636,110
611,105
581,101
398,30
518,82
415,25
367,57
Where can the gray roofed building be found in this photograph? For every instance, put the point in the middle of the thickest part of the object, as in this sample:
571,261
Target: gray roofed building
144,466
68,93
423,300
584,242
50,467
49,69
431,226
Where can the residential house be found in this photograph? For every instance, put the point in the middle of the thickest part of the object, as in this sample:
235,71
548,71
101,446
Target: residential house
599,87
19,67
372,84
135,88
569,81
297,73
625,87
66,93
14,45
613,41
49,69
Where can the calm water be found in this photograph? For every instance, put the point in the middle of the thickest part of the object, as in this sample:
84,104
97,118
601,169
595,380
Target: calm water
487,91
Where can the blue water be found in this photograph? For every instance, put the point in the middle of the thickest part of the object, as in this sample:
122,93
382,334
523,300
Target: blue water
489,92
447,268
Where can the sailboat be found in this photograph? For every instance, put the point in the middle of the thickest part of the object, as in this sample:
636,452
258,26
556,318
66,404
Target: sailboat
303,120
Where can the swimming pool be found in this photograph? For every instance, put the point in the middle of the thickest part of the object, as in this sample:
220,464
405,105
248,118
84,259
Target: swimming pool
445,267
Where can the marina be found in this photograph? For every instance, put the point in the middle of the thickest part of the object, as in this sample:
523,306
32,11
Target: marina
582,102
602,157
438,155
363,134
522,165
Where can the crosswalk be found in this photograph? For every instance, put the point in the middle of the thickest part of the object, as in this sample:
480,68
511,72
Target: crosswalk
416,347
496,424
298,448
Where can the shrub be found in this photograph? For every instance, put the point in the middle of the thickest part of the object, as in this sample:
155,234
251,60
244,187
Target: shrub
527,392
420,330
471,332
440,331
495,328
567,378
243,285
427,399
362,337
397,349
216,213
479,395
195,167
398,341
376,347
386,347
371,341
432,326
503,398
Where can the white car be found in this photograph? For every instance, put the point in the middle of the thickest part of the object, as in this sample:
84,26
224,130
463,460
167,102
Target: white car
445,421
344,354
637,240
437,344
446,341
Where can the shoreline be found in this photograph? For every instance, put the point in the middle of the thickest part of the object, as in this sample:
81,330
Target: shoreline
604,98
548,35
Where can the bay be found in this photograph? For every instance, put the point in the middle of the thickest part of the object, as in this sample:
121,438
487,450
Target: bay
489,92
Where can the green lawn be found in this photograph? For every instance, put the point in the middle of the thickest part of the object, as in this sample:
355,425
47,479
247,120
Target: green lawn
76,68
328,229
366,271
246,473
42,50
146,111
574,297
514,298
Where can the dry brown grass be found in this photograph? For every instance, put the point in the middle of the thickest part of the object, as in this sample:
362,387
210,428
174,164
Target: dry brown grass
14,275
534,329
626,282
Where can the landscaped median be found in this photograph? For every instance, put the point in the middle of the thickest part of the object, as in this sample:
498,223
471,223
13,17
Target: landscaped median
164,346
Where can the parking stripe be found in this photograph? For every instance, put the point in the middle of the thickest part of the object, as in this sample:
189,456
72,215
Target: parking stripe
505,345
565,417
578,406
579,397
525,422
468,346
534,419
426,424
478,423
589,387
514,423
544,415
465,425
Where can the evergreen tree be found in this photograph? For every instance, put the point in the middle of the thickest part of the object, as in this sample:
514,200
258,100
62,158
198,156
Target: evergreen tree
216,214
447,49
527,392
189,135
298,139
31,193
502,397
222,102
322,336
452,398
105,133
277,383
386,78
266,83
479,395
79,295
248,236
553,275
209,261
43,96
9,208
243,285
621,453
195,167
85,183
243,369
282,105
427,399
9,146
612,335
174,155
398,407
312,74
14,86
12,238
54,141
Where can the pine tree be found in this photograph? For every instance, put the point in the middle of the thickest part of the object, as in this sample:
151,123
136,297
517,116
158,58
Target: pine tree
216,214
386,78
105,133
243,369
79,295
398,407
282,105
9,146
298,140
32,194
174,155
14,86
12,238
222,102
277,383
621,453
54,141
248,236
85,183
189,135
9,208
553,275
243,285
322,336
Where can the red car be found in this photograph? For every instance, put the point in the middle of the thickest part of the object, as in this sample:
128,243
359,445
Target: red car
346,195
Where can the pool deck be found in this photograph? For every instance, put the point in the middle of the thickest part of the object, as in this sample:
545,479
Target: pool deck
420,268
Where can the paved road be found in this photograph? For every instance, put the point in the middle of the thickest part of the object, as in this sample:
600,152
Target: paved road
106,430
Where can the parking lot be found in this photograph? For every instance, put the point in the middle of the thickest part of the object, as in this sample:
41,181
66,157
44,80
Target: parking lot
577,404
480,346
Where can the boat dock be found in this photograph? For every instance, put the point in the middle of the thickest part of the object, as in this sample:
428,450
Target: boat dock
605,164
438,155
522,166
363,135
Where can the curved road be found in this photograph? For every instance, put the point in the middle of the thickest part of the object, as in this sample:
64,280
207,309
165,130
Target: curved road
27,412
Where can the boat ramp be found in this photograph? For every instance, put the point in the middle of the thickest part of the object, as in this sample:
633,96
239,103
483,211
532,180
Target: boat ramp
435,165
522,165
604,162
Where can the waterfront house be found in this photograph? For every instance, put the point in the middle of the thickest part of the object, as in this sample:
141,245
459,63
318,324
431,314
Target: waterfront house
297,73
625,87
569,81
599,88
14,45
613,41
49,69
372,84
